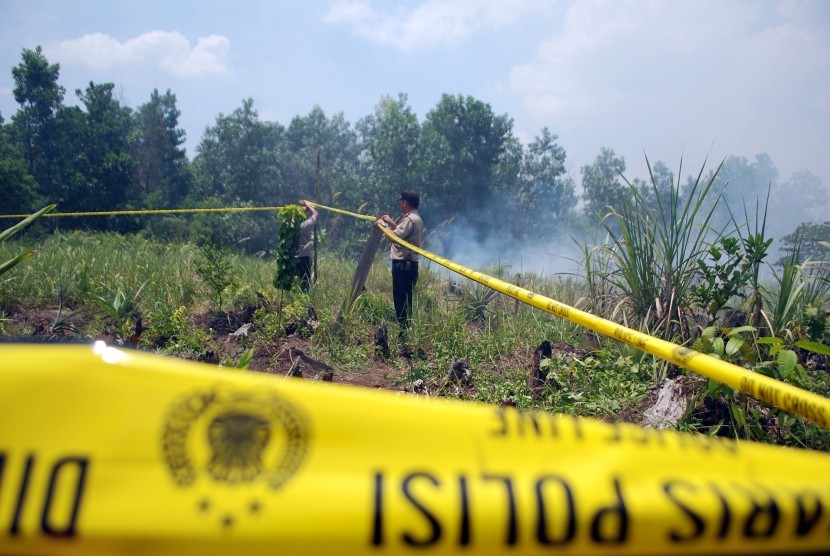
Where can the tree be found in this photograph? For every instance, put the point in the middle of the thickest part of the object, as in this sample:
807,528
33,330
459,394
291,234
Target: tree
237,158
107,162
807,242
800,199
389,152
462,143
602,186
237,163
18,189
743,184
37,124
337,144
162,176
545,189
657,188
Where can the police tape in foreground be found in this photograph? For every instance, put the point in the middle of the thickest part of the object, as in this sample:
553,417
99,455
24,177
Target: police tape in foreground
119,452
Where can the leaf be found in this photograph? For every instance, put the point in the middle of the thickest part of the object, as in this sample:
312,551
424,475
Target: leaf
8,265
709,333
712,387
815,347
245,359
738,416
717,347
787,361
733,346
765,368
23,223
741,329
769,340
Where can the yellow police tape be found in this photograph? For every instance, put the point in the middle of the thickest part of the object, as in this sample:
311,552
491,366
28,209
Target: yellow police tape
149,211
341,211
109,451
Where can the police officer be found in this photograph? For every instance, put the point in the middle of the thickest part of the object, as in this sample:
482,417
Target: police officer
409,228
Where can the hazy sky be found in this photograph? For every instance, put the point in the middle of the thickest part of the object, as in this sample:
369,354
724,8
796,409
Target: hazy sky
670,79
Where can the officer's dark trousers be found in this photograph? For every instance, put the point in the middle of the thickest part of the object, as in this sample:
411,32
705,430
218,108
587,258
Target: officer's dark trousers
304,272
404,278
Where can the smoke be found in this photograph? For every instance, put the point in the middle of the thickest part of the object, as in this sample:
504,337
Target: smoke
496,252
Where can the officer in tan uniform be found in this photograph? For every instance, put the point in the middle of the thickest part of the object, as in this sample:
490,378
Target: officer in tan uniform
409,228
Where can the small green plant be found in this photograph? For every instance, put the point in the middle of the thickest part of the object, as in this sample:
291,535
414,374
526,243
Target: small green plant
120,309
62,322
729,344
216,269
170,330
476,302
721,278
245,359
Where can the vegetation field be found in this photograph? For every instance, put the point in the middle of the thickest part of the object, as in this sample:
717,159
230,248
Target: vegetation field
466,342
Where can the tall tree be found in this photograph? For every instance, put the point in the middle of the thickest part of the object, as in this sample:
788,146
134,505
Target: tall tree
800,199
237,163
546,191
389,152
337,143
462,143
107,162
38,128
743,183
237,158
602,184
807,243
162,171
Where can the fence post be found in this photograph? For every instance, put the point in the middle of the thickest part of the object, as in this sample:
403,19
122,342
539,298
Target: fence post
360,274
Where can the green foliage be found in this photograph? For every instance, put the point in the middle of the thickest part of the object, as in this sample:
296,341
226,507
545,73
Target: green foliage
20,190
476,301
290,218
544,187
170,330
722,280
245,359
603,189
462,144
120,308
807,242
215,267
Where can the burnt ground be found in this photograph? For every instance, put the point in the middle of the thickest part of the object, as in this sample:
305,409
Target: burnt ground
294,355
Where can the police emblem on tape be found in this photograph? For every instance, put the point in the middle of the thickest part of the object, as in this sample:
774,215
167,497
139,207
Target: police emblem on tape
235,438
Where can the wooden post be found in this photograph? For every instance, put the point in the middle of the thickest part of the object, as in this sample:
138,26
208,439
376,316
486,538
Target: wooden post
360,274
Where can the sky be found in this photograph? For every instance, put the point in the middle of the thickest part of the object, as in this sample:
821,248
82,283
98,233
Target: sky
676,81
